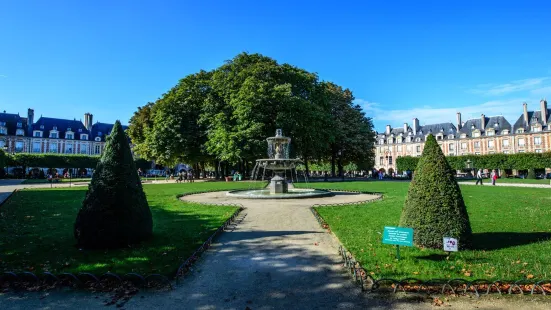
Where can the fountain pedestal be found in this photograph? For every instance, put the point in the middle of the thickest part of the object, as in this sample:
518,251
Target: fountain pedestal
278,185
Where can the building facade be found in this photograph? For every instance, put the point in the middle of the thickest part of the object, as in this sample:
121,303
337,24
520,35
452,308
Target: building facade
485,135
52,135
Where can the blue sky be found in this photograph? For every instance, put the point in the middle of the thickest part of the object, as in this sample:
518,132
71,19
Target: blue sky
402,59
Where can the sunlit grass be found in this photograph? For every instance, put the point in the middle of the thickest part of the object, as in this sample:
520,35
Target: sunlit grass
511,228
36,231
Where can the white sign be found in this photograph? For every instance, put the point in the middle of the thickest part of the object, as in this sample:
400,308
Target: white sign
450,244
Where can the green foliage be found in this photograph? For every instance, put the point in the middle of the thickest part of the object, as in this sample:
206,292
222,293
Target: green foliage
520,161
531,174
3,159
227,114
115,212
434,206
143,164
53,160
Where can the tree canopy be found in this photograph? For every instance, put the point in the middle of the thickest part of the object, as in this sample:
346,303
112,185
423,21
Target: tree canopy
226,115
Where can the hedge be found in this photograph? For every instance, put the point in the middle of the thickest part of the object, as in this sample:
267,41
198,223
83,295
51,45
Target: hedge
58,161
520,161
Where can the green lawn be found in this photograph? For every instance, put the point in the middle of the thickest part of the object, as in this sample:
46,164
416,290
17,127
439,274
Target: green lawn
36,231
515,180
511,226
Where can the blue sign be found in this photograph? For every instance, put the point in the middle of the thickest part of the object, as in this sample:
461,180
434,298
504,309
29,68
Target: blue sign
398,236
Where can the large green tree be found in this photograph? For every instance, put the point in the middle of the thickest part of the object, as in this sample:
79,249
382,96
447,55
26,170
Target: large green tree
434,206
140,126
115,212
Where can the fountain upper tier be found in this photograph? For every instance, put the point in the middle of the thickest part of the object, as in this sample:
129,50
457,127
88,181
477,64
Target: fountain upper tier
278,153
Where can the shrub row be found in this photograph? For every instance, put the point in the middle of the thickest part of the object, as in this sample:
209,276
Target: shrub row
520,161
62,161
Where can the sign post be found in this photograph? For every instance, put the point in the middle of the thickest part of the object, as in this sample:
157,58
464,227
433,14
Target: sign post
398,236
450,244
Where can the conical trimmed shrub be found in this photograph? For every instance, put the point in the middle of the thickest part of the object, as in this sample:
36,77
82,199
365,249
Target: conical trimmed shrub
434,206
114,212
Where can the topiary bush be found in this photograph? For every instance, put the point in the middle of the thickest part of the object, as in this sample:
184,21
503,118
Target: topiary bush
114,212
434,206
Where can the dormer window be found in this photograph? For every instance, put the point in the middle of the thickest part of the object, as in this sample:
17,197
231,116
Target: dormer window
472,126
505,132
83,136
80,130
2,123
69,129
3,130
37,134
450,137
490,133
55,128
69,136
520,130
19,132
418,140
19,125
42,127
54,134
98,139
475,134
535,128
463,135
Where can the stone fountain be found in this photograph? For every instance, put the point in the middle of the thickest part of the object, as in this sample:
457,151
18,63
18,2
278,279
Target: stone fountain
281,165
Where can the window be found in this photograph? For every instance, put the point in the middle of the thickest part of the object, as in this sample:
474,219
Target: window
37,147
41,126
505,132
19,146
521,151
505,142
463,135
19,125
20,132
408,148
464,146
477,144
537,140
381,161
98,149
399,148
538,150
439,137
53,135
98,139
451,147
390,141
382,141
505,152
3,131
417,139
2,143
521,142
450,137
520,130
476,134
69,136
69,148
535,128
418,148
491,133
491,144
477,153
390,160
83,137
83,149
53,147
491,152
37,134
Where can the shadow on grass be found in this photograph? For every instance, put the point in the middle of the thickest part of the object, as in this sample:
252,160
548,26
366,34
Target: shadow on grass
501,240
36,233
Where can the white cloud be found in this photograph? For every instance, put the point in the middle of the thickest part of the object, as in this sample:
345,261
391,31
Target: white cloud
507,88
511,109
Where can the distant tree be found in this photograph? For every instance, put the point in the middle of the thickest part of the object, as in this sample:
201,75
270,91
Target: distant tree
434,206
139,127
114,212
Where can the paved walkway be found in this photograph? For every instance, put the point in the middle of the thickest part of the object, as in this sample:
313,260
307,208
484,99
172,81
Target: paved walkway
489,183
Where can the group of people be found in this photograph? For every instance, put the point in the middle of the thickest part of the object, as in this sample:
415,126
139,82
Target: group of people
479,175
183,176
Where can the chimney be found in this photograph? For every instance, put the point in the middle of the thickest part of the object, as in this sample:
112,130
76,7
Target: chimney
30,121
459,124
543,107
387,131
88,120
525,113
415,125
405,128
482,122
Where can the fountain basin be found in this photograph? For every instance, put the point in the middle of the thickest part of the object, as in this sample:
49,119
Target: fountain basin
293,193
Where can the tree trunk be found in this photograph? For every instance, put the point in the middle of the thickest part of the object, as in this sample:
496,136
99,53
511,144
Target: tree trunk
332,162
306,169
217,170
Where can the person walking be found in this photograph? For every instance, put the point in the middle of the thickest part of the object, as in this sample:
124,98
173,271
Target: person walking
479,177
494,177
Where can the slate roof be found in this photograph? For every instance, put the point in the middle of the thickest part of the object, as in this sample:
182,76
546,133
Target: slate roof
445,128
491,122
62,125
11,121
533,117
102,130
